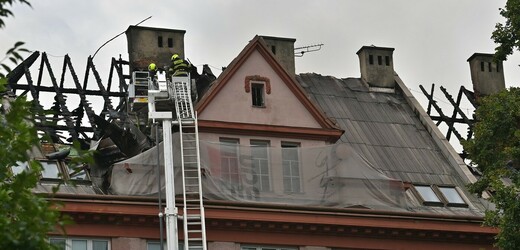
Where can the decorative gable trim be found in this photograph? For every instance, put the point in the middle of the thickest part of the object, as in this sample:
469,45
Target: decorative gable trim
247,83
258,44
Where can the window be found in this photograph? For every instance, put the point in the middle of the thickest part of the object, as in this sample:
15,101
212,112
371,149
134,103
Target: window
229,161
291,168
260,165
387,60
257,94
481,66
170,42
489,66
267,248
159,42
50,169
427,194
452,196
273,49
440,196
370,59
77,173
80,244
379,60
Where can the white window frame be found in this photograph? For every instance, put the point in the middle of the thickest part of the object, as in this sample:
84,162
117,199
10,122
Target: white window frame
230,173
90,241
292,177
257,161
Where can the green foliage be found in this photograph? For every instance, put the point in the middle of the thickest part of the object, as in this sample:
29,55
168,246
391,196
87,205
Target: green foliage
13,54
495,150
507,35
25,218
5,12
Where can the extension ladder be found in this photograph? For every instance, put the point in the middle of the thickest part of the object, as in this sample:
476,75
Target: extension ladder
193,210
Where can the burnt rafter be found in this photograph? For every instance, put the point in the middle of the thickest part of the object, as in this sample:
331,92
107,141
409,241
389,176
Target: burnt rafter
457,116
61,117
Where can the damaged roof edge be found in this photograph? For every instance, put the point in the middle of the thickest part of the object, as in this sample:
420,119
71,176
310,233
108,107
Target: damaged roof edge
444,145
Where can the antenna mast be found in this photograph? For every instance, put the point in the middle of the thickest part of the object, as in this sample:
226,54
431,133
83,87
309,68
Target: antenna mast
300,51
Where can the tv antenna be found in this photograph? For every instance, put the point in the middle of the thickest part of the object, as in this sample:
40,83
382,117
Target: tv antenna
300,51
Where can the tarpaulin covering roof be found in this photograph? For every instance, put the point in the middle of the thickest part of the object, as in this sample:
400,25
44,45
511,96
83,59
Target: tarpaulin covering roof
333,175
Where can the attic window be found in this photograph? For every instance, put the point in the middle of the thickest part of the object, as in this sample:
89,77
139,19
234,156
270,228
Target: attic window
452,196
51,169
370,59
159,41
427,194
257,94
439,196
170,42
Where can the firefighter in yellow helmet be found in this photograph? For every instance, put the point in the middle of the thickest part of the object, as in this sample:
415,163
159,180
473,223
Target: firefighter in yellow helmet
179,66
152,72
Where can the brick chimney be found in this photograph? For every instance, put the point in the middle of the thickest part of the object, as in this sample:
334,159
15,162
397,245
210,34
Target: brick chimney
148,44
487,75
377,66
283,50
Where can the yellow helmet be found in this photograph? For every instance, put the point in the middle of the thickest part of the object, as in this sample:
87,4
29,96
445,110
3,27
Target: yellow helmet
174,57
152,67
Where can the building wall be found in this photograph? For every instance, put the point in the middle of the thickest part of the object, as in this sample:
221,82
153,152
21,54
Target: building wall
234,104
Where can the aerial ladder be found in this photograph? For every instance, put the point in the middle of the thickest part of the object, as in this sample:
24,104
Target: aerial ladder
177,91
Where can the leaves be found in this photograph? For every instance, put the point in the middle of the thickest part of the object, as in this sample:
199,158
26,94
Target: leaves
5,13
495,150
13,54
507,35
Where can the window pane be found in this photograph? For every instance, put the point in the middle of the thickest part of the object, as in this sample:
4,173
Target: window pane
452,195
229,162
79,244
77,173
59,243
99,245
260,165
427,193
50,169
291,168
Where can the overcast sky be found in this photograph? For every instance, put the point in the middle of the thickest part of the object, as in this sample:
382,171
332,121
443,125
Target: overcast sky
432,38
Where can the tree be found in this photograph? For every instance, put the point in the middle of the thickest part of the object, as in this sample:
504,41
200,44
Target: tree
507,35
495,150
25,218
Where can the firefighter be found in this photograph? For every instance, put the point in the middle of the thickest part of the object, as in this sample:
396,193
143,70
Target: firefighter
152,72
179,66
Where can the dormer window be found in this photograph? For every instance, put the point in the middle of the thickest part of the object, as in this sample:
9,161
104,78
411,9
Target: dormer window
257,94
